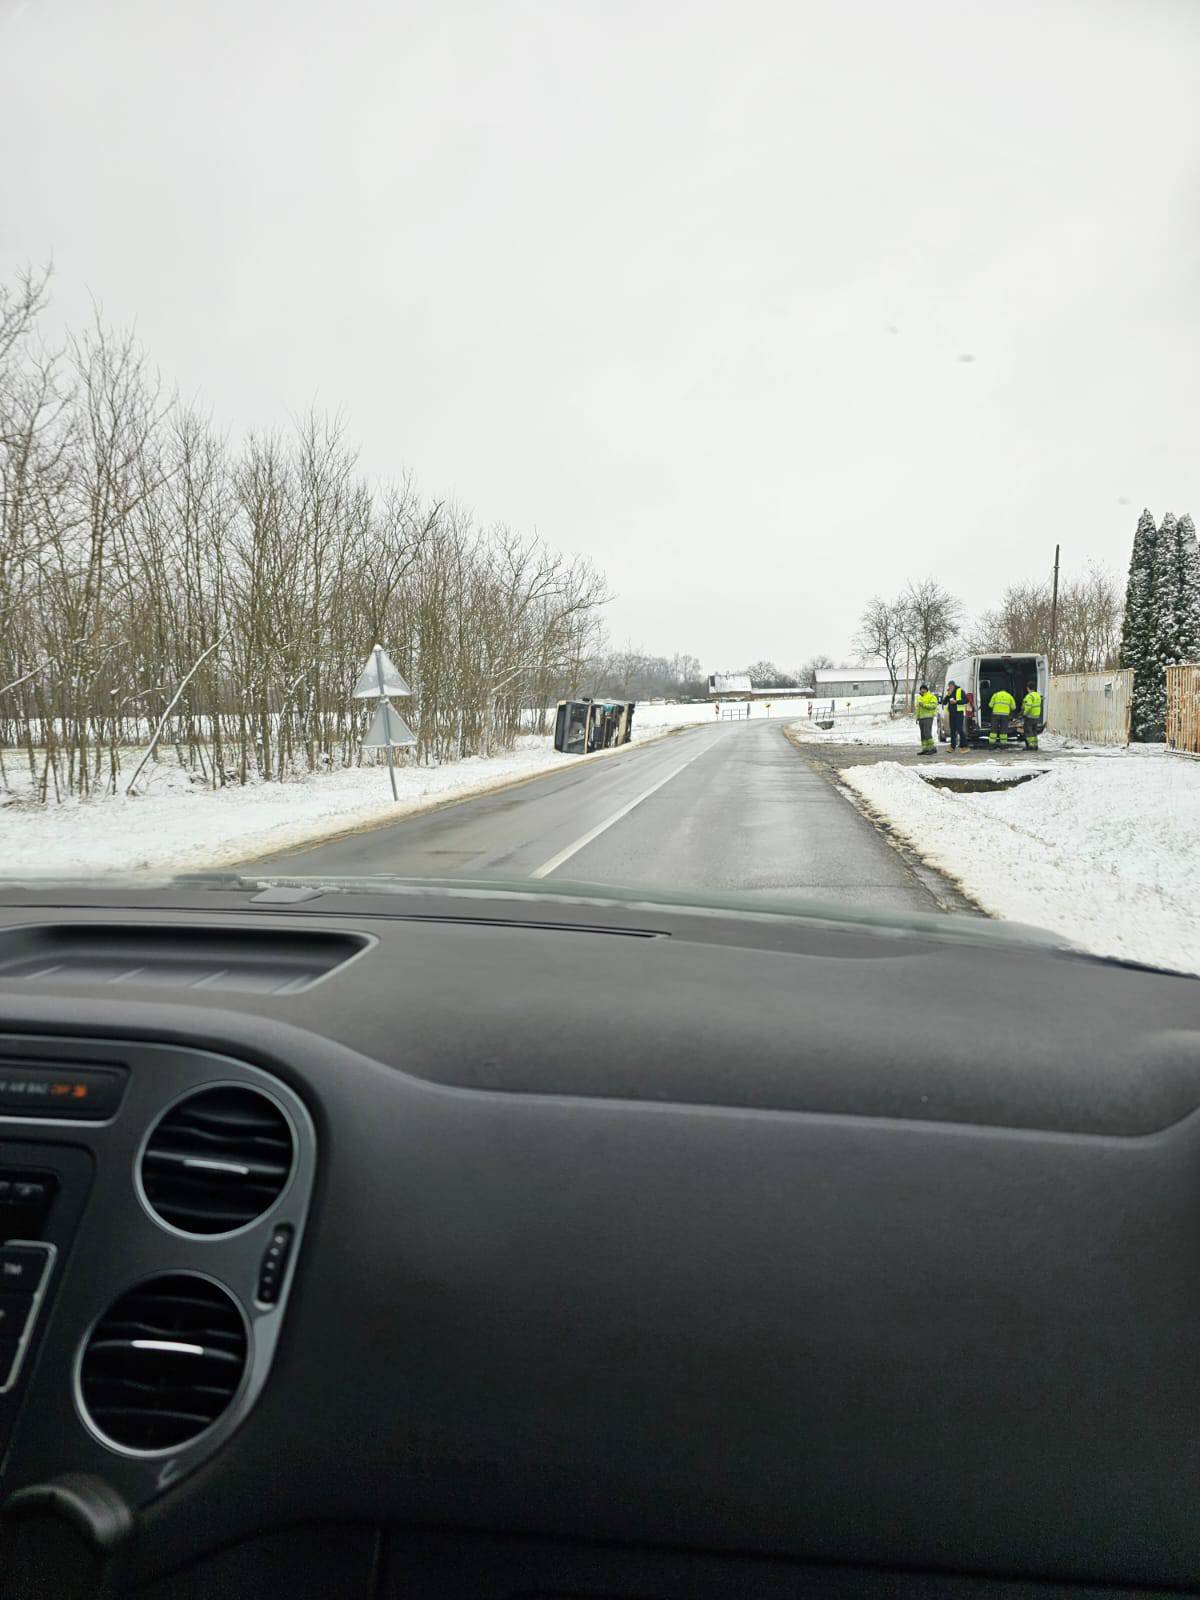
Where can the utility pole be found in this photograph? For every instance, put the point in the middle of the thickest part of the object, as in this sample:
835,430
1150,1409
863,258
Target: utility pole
1054,613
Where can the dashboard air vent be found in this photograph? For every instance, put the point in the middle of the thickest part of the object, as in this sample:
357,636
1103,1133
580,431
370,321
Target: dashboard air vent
217,1160
163,1363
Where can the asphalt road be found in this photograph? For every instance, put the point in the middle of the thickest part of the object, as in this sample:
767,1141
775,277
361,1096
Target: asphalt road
734,807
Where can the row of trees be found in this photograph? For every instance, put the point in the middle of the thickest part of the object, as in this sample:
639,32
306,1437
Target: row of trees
919,631
631,674
766,675
156,580
1162,614
634,675
1084,635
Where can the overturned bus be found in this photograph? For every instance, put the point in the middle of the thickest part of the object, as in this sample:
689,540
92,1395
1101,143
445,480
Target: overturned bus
582,726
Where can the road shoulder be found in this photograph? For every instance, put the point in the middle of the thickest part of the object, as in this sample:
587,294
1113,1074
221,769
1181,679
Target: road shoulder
827,761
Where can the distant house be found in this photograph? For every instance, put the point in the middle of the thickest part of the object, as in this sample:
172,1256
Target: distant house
856,683
737,686
722,683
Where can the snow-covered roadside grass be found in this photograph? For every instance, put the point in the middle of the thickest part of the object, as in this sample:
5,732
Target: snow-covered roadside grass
866,721
178,825
1103,851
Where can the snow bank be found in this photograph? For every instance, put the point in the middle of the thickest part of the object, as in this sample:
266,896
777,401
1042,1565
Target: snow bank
1103,850
177,825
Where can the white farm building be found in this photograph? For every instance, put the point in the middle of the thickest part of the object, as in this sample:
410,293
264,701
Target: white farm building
856,683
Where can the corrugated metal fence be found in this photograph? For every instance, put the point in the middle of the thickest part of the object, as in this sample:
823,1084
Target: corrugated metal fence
1092,706
1183,708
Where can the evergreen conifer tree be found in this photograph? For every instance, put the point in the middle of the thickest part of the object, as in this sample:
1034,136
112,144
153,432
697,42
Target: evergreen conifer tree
1177,582
1139,631
1167,587
1166,608
1188,637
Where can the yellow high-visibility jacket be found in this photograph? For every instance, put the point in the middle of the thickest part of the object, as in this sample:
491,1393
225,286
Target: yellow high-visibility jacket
927,704
1002,704
1031,706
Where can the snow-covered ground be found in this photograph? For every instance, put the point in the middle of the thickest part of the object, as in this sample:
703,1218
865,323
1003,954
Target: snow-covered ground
865,721
178,825
652,718
1103,849
870,722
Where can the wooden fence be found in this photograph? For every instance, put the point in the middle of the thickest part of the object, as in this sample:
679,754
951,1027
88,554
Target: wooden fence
1092,706
1183,708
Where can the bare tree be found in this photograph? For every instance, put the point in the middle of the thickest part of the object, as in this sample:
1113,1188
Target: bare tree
766,675
931,619
807,673
1089,622
882,632
634,674
162,591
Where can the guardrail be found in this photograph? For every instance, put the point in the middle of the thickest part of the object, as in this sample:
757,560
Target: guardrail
843,711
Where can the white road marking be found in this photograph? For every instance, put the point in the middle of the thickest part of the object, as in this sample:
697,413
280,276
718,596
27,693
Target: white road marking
554,862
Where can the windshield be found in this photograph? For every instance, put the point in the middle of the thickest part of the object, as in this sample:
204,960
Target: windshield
730,451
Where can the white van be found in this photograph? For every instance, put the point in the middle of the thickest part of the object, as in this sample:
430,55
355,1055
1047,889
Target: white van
980,676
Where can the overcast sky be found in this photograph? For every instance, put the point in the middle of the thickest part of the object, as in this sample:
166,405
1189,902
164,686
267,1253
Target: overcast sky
766,305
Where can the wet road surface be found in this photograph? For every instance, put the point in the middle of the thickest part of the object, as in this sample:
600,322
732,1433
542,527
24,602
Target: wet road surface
730,808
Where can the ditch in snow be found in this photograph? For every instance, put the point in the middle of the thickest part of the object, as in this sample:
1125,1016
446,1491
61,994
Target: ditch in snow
983,782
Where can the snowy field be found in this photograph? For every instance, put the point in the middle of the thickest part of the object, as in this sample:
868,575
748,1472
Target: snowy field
178,825
1103,849
651,719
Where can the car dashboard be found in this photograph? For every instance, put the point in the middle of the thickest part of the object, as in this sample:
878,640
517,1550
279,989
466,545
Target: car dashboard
473,1242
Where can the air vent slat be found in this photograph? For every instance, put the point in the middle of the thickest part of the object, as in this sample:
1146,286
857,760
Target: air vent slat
260,1142
144,1397
217,1160
122,1385
253,1167
245,1116
109,1414
128,1348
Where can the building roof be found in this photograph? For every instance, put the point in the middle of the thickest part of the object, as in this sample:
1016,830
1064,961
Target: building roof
868,670
729,683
